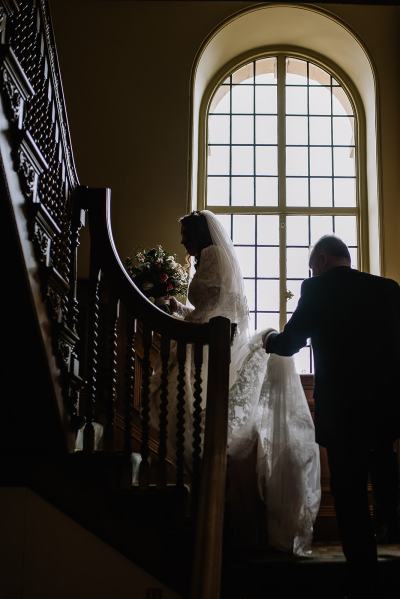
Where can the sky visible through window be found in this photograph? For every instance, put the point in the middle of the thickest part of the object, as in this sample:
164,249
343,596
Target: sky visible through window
281,172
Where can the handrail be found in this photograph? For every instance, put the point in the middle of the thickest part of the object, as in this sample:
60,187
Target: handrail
98,204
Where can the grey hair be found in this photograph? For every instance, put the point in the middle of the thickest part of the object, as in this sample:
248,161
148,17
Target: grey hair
332,246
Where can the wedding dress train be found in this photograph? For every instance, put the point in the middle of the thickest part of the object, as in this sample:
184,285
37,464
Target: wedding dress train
271,433
273,457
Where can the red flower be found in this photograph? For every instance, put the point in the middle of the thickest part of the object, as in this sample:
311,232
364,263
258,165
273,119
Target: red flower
164,277
170,286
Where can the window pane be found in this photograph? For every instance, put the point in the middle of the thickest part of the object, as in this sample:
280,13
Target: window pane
218,191
340,102
296,100
344,161
346,229
302,360
242,160
297,192
294,287
218,129
266,160
246,257
242,191
296,71
320,225
266,191
244,229
244,75
242,129
297,230
320,130
225,220
320,161
343,131
242,98
318,76
252,320
268,295
268,229
266,71
266,129
266,99
218,160
268,321
320,100
297,263
221,99
345,192
354,257
296,130
321,192
296,161
249,289
267,262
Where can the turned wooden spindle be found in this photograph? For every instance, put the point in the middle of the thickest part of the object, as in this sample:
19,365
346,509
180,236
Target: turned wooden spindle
163,431
144,472
180,415
110,370
92,366
129,381
197,414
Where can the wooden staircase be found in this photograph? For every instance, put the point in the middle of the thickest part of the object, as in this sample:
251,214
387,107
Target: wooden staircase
151,527
74,365
79,353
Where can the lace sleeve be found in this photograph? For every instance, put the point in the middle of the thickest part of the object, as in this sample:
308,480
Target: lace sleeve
205,288
183,311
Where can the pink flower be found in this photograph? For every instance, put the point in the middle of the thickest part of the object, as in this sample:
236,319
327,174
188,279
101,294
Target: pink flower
164,277
170,286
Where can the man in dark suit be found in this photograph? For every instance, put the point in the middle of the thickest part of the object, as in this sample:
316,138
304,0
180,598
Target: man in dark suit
353,320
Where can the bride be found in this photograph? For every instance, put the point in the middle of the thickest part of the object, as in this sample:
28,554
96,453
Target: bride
273,474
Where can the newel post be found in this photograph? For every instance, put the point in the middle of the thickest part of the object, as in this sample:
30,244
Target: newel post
209,526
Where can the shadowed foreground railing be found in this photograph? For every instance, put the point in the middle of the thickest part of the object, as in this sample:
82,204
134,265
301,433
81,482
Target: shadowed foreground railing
103,339
152,339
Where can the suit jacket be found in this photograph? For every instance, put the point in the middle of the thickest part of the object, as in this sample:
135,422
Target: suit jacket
353,320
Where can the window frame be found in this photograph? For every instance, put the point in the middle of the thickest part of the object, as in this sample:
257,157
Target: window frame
360,210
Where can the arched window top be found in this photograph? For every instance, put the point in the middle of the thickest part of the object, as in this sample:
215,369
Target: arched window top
261,69
302,33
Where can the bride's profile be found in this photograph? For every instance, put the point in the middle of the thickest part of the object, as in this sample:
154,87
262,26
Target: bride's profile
273,457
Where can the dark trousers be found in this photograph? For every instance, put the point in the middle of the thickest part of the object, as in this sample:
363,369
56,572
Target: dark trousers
351,464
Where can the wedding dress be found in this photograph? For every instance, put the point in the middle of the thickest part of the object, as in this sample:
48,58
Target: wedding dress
273,457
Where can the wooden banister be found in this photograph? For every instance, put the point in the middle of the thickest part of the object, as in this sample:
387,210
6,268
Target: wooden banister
103,381
209,505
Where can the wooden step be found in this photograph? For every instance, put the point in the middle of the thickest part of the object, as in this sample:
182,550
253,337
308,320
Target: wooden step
274,574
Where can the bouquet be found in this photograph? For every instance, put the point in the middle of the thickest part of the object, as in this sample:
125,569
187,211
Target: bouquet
158,275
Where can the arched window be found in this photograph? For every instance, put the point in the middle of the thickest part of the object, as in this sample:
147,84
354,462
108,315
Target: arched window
282,170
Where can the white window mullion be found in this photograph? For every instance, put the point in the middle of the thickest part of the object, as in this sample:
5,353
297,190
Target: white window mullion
282,187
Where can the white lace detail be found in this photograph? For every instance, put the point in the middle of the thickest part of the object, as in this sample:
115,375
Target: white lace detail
268,411
205,288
